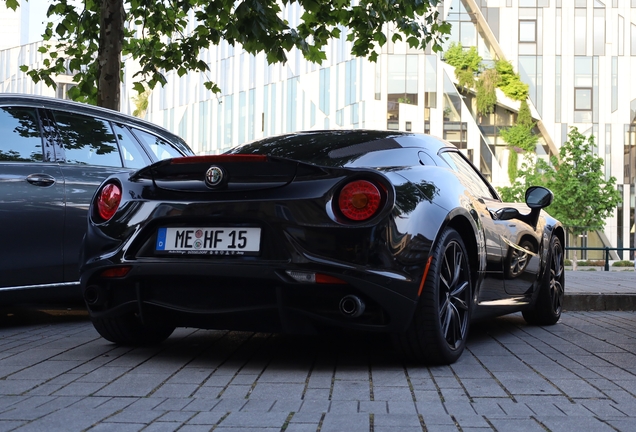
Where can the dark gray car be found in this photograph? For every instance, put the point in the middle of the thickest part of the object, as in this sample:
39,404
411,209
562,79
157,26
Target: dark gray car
53,155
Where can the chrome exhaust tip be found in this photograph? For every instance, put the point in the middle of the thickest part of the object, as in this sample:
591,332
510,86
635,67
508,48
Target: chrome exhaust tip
351,306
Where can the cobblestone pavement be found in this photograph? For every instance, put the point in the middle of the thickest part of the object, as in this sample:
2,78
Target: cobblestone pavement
56,373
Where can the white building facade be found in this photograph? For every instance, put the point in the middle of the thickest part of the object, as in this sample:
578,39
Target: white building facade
576,55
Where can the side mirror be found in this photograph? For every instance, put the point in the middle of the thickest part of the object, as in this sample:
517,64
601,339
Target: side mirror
538,197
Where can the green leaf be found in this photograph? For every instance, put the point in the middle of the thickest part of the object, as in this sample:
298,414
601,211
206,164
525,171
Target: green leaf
12,4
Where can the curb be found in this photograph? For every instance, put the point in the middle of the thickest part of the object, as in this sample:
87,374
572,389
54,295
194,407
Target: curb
599,302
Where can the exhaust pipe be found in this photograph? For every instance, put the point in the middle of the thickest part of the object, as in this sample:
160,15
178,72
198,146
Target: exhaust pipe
91,295
351,306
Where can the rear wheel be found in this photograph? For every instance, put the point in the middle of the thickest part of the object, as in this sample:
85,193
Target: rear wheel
440,326
129,330
547,307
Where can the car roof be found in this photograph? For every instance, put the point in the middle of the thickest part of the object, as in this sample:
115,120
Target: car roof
46,102
326,145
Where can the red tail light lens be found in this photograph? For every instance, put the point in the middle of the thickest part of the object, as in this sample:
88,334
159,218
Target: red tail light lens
108,201
359,200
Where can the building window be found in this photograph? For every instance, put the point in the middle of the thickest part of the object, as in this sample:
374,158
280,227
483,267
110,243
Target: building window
557,89
614,84
351,82
583,99
599,32
580,31
527,31
324,87
378,80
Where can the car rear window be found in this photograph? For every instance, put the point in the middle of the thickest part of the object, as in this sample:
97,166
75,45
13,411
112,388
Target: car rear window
21,138
87,140
161,148
132,153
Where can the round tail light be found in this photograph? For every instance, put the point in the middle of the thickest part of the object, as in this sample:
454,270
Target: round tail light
359,200
108,201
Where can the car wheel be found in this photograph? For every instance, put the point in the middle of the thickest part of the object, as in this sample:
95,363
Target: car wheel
129,330
440,326
549,302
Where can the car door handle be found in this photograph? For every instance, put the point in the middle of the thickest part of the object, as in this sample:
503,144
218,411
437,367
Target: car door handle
41,179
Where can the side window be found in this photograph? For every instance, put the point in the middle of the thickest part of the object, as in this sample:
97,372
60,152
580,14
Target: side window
161,148
87,140
475,182
131,152
21,138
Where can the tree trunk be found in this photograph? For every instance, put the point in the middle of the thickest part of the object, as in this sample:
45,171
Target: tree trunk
111,36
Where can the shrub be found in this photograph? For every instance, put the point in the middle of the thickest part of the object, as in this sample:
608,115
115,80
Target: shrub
591,263
623,263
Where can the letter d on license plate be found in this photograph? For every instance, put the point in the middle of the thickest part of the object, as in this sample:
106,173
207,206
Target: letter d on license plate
209,241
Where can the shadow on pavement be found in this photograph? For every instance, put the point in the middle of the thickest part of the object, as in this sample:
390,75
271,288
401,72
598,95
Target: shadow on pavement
13,316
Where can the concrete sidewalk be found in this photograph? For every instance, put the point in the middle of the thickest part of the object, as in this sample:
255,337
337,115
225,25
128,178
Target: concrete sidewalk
600,290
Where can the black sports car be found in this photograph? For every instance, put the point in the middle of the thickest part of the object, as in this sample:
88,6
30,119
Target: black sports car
370,230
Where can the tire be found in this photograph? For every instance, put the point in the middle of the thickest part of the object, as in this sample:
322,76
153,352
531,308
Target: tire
128,330
438,332
549,302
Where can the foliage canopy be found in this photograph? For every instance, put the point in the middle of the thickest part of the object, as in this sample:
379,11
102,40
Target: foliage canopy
583,198
88,35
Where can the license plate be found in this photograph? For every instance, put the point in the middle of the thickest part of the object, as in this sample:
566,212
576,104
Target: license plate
209,241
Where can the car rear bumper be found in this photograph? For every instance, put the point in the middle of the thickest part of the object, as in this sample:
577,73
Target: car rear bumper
254,297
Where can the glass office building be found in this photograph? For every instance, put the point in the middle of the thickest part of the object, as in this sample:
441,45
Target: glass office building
575,55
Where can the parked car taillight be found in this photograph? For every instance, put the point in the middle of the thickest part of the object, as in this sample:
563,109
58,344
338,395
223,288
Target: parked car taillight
108,200
359,200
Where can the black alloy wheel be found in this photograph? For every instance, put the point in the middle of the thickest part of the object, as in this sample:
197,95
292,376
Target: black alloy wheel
548,306
440,326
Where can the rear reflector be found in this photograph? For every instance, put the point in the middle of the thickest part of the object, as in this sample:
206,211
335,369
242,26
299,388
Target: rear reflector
219,159
311,277
116,272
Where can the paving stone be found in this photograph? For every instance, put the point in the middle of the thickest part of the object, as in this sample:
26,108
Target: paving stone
310,406
483,388
351,390
379,407
396,421
392,393
575,424
333,422
255,419
162,427
398,407
277,390
258,405
317,394
107,426
9,425
133,385
174,416
206,418
287,405
515,424
344,407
